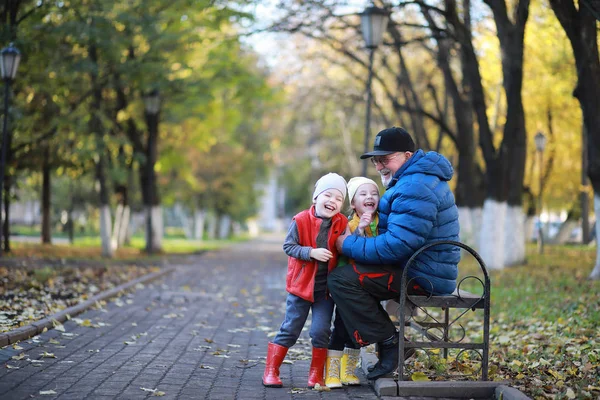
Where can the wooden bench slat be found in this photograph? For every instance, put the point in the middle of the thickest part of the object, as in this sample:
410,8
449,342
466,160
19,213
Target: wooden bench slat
466,300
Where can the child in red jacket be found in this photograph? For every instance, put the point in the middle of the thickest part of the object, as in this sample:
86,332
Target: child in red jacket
310,245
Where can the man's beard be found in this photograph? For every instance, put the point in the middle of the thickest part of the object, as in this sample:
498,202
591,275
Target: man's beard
385,179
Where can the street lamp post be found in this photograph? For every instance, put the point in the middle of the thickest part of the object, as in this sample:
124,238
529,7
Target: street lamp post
540,145
152,107
374,22
9,62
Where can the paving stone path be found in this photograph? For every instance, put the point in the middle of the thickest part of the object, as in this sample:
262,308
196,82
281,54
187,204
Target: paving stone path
200,333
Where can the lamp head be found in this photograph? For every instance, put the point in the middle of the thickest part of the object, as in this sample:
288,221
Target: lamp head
374,22
540,141
9,62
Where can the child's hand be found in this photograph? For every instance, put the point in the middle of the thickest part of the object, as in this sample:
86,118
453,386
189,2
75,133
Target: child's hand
321,254
365,220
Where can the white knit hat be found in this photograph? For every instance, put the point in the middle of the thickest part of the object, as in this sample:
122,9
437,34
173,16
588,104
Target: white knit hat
355,183
330,181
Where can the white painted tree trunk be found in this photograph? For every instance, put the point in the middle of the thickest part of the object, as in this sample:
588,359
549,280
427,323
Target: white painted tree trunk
595,275
212,226
491,243
114,240
157,227
514,236
185,221
477,221
564,233
529,227
105,236
236,229
224,226
124,226
470,226
137,221
199,219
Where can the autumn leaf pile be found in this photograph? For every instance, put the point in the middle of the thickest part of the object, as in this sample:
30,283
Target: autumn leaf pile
545,329
546,325
30,294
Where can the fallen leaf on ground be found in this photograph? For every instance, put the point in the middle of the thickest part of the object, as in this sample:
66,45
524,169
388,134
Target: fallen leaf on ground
419,377
320,388
155,392
58,326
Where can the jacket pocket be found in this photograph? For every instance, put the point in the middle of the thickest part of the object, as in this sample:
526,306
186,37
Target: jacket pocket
299,273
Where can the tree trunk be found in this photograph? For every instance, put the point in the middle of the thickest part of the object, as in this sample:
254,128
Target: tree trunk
105,225
121,218
46,199
514,143
70,222
581,29
105,217
124,226
70,226
212,225
187,223
492,234
199,220
224,226
529,228
514,235
154,228
504,166
97,129
595,275
470,223
6,227
565,230
114,240
158,227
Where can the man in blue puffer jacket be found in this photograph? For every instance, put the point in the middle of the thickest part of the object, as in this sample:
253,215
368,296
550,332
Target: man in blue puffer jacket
417,208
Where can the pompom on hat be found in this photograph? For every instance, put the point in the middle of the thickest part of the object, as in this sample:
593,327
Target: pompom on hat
330,181
355,183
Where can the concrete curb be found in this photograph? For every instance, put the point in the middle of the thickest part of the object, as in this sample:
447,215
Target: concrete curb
507,393
37,327
388,387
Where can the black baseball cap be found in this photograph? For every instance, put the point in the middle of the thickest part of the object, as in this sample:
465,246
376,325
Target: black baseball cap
391,140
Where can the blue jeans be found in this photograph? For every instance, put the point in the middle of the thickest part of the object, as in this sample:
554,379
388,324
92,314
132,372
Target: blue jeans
296,313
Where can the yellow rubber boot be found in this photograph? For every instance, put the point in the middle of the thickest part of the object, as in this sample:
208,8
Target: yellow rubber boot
332,369
348,367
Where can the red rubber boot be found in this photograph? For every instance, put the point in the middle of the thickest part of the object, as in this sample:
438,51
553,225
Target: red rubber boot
275,356
317,365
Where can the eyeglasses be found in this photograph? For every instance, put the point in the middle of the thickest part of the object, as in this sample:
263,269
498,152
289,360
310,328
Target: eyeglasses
385,160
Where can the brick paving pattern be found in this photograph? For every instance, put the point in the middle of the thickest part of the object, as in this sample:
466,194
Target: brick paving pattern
200,333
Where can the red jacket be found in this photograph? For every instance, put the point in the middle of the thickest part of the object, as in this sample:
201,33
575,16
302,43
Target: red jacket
300,280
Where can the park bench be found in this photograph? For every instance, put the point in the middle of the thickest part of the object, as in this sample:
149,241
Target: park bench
430,320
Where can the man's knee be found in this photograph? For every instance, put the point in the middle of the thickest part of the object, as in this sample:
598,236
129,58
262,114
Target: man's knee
335,279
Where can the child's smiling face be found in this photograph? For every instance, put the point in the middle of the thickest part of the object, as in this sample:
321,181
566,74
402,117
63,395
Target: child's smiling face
366,199
329,203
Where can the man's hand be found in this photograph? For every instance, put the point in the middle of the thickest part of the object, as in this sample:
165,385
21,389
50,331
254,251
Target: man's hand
321,254
340,240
